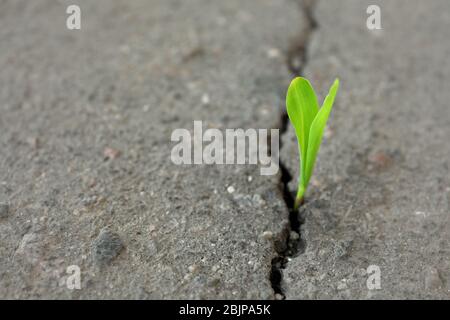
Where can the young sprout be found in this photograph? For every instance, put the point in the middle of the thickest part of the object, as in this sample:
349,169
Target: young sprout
309,122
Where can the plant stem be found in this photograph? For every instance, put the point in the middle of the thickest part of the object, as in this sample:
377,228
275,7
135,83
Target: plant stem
299,198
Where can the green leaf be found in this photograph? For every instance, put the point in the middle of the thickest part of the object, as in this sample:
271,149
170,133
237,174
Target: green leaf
302,108
316,131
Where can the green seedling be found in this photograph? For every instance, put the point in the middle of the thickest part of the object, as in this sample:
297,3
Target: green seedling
309,122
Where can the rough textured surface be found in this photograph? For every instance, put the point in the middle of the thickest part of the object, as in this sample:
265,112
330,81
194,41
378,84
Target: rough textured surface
85,171
381,190
4,210
86,120
106,247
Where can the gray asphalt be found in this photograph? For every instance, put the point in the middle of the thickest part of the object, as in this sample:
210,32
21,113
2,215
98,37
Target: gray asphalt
86,123
86,177
382,187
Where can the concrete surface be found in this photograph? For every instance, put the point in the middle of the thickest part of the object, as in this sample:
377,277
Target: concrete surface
85,171
86,120
381,189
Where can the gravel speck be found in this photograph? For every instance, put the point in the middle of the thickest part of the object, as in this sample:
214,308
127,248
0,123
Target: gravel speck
4,210
432,279
205,99
110,153
273,53
152,249
193,268
294,235
279,296
267,235
106,247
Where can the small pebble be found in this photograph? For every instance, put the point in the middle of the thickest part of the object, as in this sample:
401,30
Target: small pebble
106,247
33,142
267,235
316,183
193,268
111,153
88,201
279,296
328,133
273,53
421,213
432,279
230,189
294,235
4,210
205,98
215,268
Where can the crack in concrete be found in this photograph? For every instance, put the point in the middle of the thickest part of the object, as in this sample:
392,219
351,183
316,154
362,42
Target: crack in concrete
294,244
